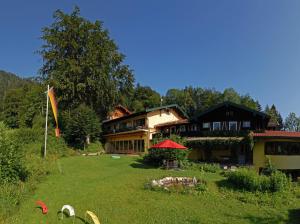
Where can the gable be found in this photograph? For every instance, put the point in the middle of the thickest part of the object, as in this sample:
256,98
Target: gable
161,116
230,112
118,112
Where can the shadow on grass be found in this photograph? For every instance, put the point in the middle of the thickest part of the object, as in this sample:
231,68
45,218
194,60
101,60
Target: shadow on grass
274,219
294,216
140,164
226,184
66,216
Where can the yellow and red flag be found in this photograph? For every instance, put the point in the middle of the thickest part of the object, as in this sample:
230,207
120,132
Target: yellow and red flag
54,109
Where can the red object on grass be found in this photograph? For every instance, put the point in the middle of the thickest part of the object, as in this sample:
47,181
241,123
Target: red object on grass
168,144
43,206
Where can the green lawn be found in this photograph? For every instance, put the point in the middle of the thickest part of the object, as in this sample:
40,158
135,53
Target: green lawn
114,190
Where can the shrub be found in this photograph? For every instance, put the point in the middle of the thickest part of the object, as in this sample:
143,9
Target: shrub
81,126
207,167
157,156
279,181
24,136
269,169
57,146
12,167
249,180
95,147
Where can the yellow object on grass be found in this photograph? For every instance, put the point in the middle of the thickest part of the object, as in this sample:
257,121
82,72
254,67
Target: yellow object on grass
93,216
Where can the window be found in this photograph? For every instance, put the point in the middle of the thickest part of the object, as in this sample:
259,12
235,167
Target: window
216,126
117,145
173,130
232,125
125,145
139,145
139,122
282,148
246,124
130,146
142,144
194,127
182,128
206,125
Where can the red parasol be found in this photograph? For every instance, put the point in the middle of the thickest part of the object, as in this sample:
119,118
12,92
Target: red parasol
168,144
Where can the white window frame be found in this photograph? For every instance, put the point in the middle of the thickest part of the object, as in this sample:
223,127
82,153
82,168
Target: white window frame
229,125
204,125
214,126
246,122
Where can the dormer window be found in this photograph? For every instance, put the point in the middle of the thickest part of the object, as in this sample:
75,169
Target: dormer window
216,126
232,125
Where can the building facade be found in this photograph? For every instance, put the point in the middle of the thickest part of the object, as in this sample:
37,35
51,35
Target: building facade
133,133
227,133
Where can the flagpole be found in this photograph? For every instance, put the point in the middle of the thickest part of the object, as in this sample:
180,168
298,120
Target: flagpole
46,125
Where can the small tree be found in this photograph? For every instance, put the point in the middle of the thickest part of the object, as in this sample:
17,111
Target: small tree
292,122
81,126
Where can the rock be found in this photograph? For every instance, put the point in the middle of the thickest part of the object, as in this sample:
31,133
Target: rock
154,183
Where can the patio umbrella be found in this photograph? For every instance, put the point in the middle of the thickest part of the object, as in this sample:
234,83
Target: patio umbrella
168,144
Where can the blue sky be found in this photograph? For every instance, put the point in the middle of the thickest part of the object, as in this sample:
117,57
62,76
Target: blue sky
251,45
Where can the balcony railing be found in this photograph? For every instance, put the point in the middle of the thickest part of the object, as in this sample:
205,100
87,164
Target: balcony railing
125,129
202,133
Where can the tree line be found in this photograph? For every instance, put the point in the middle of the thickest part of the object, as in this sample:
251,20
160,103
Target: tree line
87,70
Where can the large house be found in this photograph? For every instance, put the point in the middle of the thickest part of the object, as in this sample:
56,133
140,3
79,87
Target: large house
226,133
132,133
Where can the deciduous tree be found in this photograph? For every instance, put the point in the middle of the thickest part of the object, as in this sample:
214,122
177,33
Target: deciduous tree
83,63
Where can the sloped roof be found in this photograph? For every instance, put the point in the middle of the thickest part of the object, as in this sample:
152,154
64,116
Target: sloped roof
229,103
123,108
148,110
184,121
277,134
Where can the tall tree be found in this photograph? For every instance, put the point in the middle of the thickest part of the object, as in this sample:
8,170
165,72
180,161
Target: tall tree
182,97
83,63
21,105
275,116
230,94
9,81
248,101
144,97
292,123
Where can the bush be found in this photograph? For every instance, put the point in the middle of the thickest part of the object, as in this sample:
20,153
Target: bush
81,126
249,180
279,181
12,167
24,136
207,167
157,156
95,147
57,146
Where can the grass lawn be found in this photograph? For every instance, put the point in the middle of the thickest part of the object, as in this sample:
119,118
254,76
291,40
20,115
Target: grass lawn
114,190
